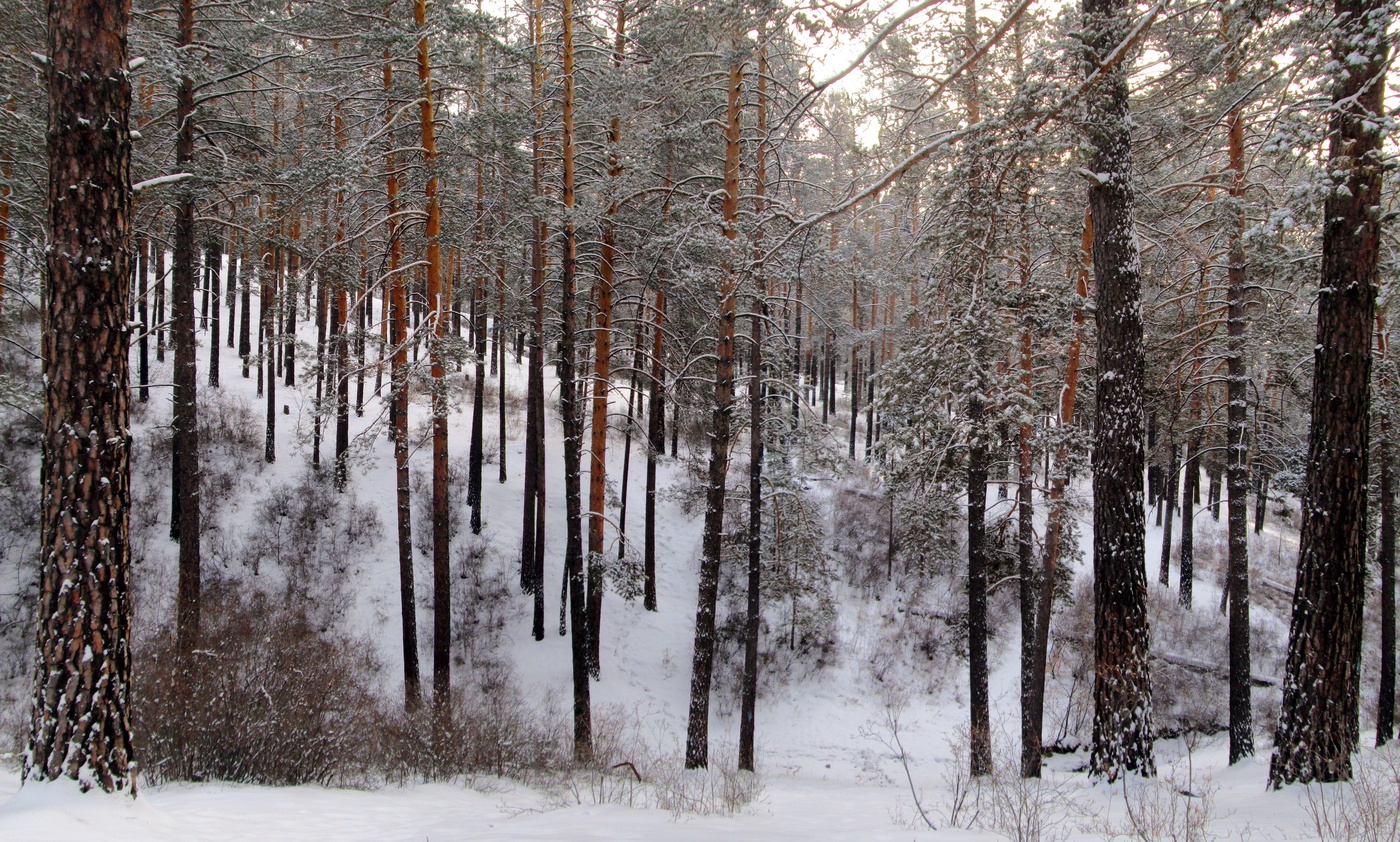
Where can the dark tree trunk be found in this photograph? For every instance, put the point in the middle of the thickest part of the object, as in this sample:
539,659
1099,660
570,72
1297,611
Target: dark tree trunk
979,694
245,318
476,451
325,325
749,693
142,318
212,260
697,739
532,525
1385,705
1261,501
1318,728
341,338
1237,436
1190,495
231,288
1122,740
267,309
158,251
1169,496
656,440
185,476
572,414
396,293
79,726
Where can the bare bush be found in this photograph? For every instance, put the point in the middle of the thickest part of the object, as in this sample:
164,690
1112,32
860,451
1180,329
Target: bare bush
270,699
636,766
1162,810
1365,810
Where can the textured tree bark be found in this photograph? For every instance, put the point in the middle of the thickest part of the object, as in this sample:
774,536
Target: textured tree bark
245,315
532,526
397,294
1190,491
602,375
979,696
573,418
1318,725
476,451
143,356
213,258
656,441
231,287
1122,740
79,726
267,309
341,335
748,703
1025,515
1237,431
1385,705
697,738
1171,488
185,474
442,584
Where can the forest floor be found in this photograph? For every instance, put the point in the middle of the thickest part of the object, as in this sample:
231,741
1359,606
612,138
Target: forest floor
829,738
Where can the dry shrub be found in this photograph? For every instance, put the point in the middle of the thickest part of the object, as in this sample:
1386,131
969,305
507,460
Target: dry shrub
636,765
491,729
270,699
1367,809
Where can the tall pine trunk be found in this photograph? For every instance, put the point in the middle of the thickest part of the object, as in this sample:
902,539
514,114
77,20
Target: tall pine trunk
1122,738
697,739
1237,430
185,475
1318,725
442,584
79,725
573,421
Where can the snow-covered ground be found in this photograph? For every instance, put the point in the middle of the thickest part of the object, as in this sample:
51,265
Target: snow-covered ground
825,747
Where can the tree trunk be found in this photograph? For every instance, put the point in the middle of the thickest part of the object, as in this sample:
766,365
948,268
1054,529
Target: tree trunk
532,524
397,294
1189,494
656,441
266,309
1318,728
1385,705
245,316
1237,431
213,259
572,416
748,705
143,319
697,740
1122,740
79,725
185,475
437,313
979,694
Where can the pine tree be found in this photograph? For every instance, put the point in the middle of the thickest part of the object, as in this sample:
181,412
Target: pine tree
79,727
1122,739
1318,725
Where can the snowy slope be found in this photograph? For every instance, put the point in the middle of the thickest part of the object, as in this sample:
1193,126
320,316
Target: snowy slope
828,770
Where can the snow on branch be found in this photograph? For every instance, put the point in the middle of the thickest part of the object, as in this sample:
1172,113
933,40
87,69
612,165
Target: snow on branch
160,181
